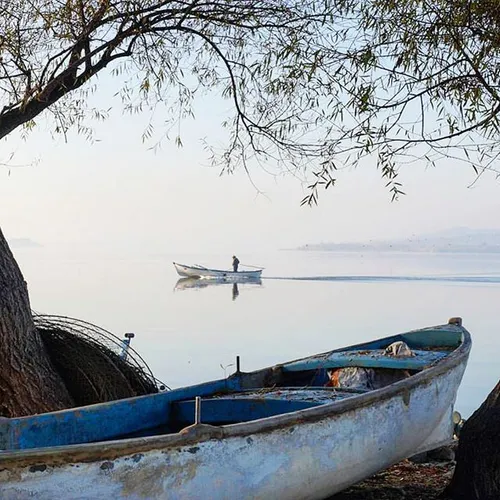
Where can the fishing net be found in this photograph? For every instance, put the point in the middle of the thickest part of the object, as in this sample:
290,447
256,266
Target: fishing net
92,361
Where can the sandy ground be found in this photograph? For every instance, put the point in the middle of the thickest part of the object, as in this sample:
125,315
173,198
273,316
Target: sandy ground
406,480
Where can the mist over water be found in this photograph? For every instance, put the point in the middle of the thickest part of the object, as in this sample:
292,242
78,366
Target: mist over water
306,303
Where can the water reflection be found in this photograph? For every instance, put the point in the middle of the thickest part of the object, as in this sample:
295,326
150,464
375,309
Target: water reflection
235,291
199,283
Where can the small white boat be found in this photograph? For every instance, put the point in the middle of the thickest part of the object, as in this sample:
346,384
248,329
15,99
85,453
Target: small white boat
289,431
204,272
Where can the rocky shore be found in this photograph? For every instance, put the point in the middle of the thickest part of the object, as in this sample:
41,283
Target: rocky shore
423,477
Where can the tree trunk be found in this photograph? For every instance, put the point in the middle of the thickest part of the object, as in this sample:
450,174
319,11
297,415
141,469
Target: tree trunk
28,382
477,473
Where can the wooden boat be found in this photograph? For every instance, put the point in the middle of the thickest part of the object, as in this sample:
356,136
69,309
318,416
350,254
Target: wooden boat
280,432
204,272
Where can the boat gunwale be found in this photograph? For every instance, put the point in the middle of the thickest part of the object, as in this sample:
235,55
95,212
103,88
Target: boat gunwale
113,449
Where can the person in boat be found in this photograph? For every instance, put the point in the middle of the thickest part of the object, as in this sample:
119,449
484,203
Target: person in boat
236,263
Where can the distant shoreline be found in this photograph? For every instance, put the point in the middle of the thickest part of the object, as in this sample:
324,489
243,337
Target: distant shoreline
367,248
23,243
455,240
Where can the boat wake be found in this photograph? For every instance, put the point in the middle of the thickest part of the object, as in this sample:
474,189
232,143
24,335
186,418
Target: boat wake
377,279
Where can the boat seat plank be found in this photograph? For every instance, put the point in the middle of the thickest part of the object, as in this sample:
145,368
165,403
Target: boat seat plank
229,410
367,359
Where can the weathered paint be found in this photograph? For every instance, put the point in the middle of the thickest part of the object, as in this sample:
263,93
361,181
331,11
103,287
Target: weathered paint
302,461
101,421
306,454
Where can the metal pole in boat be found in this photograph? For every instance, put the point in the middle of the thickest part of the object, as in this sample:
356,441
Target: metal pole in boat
237,364
197,410
126,345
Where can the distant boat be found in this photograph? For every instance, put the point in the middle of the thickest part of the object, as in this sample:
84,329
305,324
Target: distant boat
303,429
204,272
186,283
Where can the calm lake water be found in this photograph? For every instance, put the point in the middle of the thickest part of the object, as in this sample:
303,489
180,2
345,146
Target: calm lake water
192,335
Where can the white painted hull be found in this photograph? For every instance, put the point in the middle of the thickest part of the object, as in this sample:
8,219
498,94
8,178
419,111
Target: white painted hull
309,454
202,272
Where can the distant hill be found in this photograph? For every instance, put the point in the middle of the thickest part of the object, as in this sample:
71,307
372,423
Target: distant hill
23,243
456,240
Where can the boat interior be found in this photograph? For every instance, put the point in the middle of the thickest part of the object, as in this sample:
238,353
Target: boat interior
242,397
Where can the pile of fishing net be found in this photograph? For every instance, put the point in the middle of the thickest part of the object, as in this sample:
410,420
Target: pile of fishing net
96,366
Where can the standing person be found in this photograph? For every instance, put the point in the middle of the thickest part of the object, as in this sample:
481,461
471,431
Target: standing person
235,263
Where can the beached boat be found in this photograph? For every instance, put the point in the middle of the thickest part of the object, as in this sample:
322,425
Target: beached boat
304,429
204,272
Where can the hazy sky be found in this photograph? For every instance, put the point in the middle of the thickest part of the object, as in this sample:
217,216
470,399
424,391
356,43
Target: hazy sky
117,194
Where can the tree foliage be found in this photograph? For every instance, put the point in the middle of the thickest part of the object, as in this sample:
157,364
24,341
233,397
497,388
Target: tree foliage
421,79
313,86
